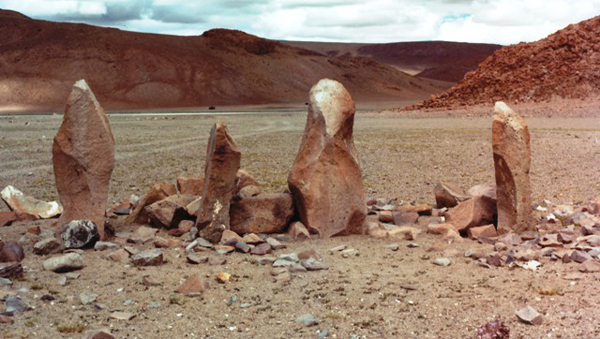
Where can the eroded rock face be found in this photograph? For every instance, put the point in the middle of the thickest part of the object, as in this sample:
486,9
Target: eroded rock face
512,160
222,163
264,213
83,157
326,180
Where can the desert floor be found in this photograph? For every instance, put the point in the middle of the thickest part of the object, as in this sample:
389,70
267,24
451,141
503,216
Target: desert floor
402,157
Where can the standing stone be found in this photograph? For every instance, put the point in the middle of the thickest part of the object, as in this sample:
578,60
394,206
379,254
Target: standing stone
222,163
83,155
325,180
512,160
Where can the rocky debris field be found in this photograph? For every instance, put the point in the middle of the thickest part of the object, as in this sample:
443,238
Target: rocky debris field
411,277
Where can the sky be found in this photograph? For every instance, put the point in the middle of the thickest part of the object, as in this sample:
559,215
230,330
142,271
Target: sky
490,21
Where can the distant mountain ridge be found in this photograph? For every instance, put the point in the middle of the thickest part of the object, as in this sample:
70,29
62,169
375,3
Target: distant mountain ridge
40,61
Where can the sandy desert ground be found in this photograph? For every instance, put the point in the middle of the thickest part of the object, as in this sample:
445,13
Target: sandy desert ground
378,294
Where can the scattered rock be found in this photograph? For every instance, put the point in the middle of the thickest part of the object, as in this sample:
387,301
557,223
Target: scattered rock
193,286
405,218
313,265
169,212
350,252
495,329
393,247
326,179
264,213
87,298
222,163
474,212
224,249
64,263
223,277
153,257
448,195
253,239
122,315
404,233
487,231
16,305
442,262
229,236
307,320
580,256
119,256
217,261
529,315
142,235
150,281
156,193
196,259
297,231
242,247
78,233
11,251
590,266
104,245
275,244
23,206
47,246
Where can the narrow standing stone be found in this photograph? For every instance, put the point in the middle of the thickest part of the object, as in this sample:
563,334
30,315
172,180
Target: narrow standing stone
325,180
83,157
222,163
512,161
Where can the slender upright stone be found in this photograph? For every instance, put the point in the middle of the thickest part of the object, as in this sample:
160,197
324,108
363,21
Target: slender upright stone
83,155
512,161
222,163
325,180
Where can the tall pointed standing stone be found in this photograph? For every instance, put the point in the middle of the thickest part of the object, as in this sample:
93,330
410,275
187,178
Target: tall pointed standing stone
326,180
222,163
83,155
512,160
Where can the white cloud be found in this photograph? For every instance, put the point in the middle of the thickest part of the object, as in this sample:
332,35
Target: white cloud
495,21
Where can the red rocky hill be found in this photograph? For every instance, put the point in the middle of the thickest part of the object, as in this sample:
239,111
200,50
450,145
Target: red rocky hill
566,64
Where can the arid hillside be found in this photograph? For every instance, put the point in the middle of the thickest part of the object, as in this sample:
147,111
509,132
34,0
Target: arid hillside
439,60
40,61
565,65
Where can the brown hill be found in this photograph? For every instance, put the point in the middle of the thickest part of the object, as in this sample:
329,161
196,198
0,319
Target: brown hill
40,61
439,60
566,65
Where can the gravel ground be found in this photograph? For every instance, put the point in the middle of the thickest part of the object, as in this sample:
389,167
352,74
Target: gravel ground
402,157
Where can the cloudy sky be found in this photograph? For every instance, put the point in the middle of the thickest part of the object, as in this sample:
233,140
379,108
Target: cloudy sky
494,21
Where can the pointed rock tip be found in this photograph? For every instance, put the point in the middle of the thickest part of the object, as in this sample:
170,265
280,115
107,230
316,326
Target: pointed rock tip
332,100
502,108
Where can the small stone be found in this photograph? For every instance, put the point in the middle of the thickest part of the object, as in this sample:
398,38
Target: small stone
150,281
590,266
580,256
278,270
412,245
442,262
309,254
217,261
11,270
252,238
142,235
11,251
313,265
338,248
283,263
62,280
64,263
293,257
78,233
275,244
266,260
487,231
297,231
87,298
120,255
284,278
262,249
494,260
350,252
122,315
223,277
404,233
307,320
323,334
153,257
224,249
16,305
393,247
194,285
104,245
196,259
495,329
550,240
229,236
47,246
529,315
98,334
566,258
500,246
5,282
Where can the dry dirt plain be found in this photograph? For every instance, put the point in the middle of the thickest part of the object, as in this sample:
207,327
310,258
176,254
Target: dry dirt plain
402,157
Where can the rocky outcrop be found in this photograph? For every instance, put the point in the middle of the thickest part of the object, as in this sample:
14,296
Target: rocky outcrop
83,158
325,180
512,160
222,164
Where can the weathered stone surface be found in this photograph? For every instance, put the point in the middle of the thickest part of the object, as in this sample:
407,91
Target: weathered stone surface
405,218
119,255
47,246
11,251
487,190
243,179
264,213
512,161
142,235
252,238
157,192
64,263
249,191
262,249
190,185
83,155
222,164
487,231
7,218
78,233
474,212
298,231
152,257
24,206
169,212
194,285
448,195
11,269
230,236
326,178
529,315
14,304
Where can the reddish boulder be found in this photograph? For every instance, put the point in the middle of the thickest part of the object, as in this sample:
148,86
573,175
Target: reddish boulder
474,212
264,213
512,160
488,190
190,185
405,218
448,195
222,164
11,251
157,192
169,212
83,155
325,180
487,231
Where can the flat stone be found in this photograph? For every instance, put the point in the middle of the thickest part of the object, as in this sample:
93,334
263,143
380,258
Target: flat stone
217,261
87,298
580,256
350,252
261,249
338,248
230,236
529,316
104,245
266,260
153,257
590,266
401,218
487,231
196,259
193,286
142,235
242,247
16,305
313,265
122,315
150,281
23,206
98,334
307,320
275,244
252,238
393,247
442,262
120,255
224,249
64,263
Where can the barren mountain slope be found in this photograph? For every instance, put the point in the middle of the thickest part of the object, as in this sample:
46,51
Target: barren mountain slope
40,60
566,64
440,60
